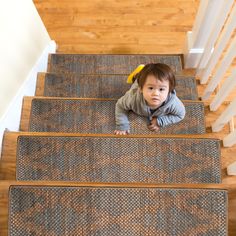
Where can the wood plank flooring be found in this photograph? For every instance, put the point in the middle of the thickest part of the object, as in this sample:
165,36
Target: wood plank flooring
118,26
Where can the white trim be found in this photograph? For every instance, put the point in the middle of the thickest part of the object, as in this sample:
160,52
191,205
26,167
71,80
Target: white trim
11,118
196,50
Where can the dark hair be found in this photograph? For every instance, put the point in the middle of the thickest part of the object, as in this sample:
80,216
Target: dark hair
160,71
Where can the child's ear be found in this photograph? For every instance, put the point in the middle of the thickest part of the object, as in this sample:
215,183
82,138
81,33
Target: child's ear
140,89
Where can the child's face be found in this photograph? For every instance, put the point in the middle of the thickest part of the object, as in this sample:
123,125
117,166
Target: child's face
155,91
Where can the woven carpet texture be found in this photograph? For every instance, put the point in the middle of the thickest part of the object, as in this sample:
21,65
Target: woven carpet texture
105,86
104,159
107,64
117,211
97,116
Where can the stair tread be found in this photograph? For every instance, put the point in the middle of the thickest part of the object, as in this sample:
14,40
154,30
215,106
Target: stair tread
9,151
118,159
129,208
107,63
102,86
10,145
98,116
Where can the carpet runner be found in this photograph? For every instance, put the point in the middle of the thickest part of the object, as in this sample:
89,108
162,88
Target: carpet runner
98,116
107,63
117,211
120,211
113,159
105,86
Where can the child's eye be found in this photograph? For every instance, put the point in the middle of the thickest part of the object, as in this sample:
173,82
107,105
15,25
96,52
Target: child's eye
162,89
151,88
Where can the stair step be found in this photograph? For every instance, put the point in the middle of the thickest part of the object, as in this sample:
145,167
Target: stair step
99,158
107,63
53,210
98,116
102,86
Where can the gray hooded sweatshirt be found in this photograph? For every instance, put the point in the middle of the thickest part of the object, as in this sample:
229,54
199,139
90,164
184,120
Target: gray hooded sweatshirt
170,112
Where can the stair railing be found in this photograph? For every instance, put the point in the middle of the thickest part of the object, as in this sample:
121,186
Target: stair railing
211,50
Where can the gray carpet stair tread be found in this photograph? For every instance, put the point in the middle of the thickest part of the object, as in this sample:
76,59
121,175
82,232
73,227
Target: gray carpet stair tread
107,63
98,116
106,86
113,159
116,211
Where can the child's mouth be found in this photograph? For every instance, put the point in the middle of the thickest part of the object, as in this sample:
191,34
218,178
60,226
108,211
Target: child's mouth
155,99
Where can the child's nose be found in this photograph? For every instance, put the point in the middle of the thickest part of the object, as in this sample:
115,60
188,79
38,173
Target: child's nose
156,92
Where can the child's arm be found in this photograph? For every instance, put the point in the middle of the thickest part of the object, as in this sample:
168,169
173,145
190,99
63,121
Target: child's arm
121,114
153,126
175,114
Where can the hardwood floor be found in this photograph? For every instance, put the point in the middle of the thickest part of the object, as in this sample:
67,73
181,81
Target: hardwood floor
118,26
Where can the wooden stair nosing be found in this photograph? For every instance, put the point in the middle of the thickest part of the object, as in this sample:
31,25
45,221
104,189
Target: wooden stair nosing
30,98
39,90
13,134
229,187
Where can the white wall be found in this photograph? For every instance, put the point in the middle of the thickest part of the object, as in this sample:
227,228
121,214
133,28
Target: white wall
24,48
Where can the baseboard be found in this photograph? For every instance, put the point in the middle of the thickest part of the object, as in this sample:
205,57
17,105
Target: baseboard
11,118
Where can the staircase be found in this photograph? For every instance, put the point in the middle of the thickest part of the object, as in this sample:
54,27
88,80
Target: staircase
68,174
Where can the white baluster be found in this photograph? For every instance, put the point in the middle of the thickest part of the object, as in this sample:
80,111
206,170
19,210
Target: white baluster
230,54
203,26
222,41
221,18
231,169
224,91
225,117
230,139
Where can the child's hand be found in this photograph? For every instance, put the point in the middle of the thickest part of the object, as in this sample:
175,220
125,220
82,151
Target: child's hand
121,132
153,125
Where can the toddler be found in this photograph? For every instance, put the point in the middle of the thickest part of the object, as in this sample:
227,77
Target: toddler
152,95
